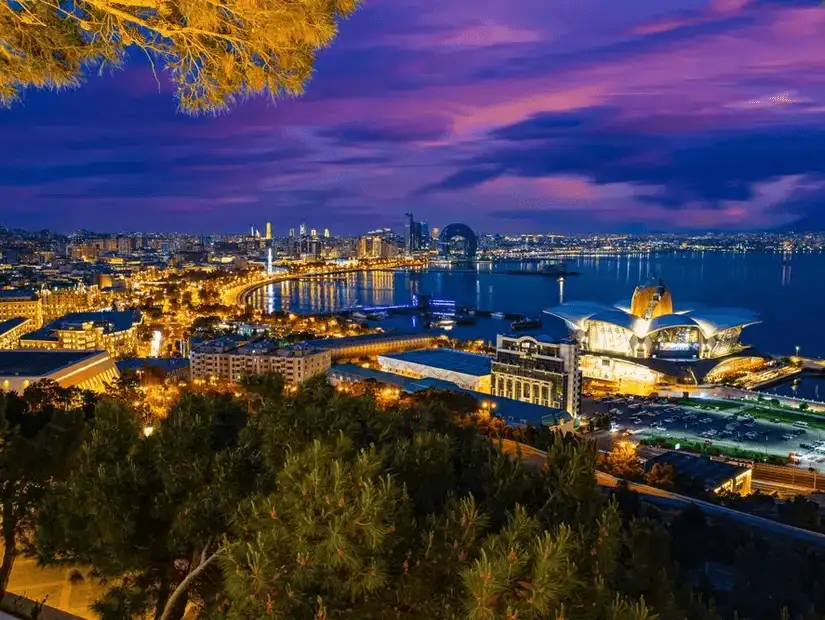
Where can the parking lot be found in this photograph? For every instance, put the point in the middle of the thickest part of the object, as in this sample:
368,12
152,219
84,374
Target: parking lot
730,427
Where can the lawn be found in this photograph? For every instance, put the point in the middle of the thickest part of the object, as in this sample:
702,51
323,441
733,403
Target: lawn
714,450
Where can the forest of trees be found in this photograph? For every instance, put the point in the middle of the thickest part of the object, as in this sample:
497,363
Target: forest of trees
318,504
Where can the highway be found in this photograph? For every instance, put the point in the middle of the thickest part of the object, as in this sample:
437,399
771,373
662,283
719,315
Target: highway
536,458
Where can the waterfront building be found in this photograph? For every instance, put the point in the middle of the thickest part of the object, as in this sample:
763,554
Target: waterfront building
649,342
409,233
268,231
112,331
457,241
467,370
229,360
538,370
21,303
12,329
86,370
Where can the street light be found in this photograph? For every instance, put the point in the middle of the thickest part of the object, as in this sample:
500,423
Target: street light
797,350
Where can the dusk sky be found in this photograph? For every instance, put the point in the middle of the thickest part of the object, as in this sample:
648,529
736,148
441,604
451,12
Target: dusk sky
509,115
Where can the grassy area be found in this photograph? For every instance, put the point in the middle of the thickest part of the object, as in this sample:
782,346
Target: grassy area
710,405
714,450
784,416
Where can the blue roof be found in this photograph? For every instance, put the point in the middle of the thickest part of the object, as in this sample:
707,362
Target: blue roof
447,359
9,325
111,320
167,364
17,293
34,363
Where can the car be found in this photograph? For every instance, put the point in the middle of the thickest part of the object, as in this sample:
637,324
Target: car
670,419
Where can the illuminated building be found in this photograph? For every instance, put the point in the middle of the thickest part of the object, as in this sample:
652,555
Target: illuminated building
291,232
113,331
650,342
409,233
327,234
87,370
372,344
467,370
12,329
538,370
457,240
227,359
268,230
303,230
21,303
313,233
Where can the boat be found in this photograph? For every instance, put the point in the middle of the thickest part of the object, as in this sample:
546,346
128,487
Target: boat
443,323
497,315
360,316
526,323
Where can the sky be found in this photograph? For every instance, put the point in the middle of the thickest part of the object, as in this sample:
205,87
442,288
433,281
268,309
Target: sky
508,115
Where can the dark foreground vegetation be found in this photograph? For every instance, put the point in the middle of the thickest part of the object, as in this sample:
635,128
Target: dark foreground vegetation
318,504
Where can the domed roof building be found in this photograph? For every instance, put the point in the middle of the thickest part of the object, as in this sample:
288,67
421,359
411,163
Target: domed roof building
652,342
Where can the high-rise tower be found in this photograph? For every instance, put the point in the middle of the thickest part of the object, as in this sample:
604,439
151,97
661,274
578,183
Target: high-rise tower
269,230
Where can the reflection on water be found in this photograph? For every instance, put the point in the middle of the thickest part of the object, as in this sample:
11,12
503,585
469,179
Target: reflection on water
790,307
812,388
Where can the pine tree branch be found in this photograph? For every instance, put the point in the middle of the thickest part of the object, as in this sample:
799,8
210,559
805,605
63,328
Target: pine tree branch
202,566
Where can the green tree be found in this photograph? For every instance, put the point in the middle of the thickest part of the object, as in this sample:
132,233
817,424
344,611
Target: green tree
149,513
661,475
37,443
213,51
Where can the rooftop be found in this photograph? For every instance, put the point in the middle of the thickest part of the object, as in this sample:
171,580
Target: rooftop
17,293
34,363
332,343
513,412
712,474
166,364
447,359
9,325
111,321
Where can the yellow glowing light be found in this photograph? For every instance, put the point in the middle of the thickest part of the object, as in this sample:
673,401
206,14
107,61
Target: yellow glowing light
148,430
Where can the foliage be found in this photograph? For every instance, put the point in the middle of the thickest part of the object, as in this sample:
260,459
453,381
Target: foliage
213,51
313,503
622,461
145,512
39,435
661,475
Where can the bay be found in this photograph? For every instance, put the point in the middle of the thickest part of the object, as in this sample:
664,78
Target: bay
786,290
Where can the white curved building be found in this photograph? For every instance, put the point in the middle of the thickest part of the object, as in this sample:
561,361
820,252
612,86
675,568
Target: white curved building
652,342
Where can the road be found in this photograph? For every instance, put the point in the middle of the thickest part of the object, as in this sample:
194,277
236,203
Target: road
537,458
239,294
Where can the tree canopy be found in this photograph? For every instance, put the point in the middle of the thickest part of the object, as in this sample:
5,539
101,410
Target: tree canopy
315,503
213,51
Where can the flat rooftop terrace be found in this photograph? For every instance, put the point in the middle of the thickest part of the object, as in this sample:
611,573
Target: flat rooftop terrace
447,359
34,363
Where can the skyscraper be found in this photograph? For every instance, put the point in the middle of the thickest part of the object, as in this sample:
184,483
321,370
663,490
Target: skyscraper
303,229
409,233
313,233
424,235
269,230
291,233
327,234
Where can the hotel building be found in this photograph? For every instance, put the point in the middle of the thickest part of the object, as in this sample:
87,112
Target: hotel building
538,370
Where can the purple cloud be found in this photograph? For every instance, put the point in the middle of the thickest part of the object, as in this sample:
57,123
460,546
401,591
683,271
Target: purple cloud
684,113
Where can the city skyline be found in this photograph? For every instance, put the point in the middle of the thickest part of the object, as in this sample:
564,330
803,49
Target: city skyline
673,116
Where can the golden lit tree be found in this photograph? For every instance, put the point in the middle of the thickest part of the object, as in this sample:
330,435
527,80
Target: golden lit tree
214,51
